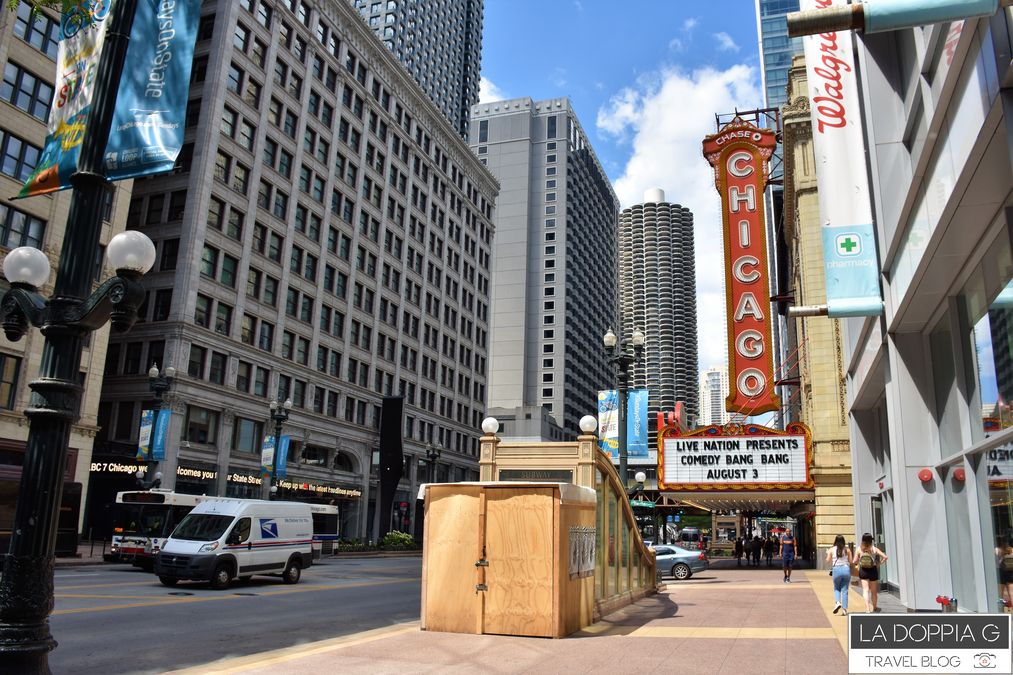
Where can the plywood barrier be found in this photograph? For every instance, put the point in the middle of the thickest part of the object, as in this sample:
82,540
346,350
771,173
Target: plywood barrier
508,558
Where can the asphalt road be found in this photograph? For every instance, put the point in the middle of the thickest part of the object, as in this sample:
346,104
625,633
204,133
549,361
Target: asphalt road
115,619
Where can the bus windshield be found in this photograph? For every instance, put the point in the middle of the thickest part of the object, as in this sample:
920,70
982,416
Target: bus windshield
141,519
202,527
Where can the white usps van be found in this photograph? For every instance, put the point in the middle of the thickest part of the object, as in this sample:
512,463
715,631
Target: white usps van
226,539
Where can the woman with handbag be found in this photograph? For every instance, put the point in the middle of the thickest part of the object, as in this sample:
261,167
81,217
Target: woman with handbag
839,559
868,558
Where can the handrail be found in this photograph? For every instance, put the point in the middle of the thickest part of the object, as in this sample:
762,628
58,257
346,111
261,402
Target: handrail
603,463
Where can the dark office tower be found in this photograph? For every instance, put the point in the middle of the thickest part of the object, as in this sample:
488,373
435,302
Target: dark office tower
439,42
554,268
657,294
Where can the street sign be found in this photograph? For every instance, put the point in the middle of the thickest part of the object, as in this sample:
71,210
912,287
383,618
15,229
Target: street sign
644,503
676,518
669,519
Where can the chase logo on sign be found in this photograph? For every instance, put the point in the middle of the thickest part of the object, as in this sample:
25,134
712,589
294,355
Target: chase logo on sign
849,244
268,529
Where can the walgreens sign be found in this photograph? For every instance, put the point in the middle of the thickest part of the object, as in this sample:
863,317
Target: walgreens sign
739,154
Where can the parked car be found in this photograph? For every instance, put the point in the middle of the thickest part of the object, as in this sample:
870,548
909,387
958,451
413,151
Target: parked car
679,562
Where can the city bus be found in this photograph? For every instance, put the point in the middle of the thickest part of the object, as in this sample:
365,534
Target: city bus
145,518
142,520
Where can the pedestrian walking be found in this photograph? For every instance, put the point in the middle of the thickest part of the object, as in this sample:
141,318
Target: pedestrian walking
1004,561
789,550
739,550
757,549
839,559
869,558
768,550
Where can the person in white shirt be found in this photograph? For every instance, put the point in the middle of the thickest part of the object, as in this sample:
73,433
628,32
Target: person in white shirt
839,559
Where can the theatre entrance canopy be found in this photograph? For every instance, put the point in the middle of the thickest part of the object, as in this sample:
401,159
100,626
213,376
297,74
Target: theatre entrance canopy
744,467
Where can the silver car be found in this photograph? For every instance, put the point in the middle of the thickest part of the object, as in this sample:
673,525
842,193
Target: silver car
679,562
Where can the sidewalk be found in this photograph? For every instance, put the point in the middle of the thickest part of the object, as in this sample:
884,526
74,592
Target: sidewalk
724,621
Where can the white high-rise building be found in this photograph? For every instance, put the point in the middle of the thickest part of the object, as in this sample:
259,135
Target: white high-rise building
713,391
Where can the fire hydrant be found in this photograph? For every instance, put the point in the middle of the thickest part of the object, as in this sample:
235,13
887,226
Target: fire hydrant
947,604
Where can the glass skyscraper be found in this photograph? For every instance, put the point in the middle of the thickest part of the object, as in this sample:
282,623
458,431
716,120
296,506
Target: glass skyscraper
776,48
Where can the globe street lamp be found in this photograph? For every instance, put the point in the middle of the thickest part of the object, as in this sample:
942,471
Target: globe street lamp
621,358
279,414
433,453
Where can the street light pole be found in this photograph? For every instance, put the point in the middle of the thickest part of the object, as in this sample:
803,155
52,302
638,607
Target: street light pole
279,414
433,453
26,583
622,359
159,382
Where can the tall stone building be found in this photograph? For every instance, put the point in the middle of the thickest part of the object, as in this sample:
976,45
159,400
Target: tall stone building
657,294
439,42
327,239
554,273
28,50
824,397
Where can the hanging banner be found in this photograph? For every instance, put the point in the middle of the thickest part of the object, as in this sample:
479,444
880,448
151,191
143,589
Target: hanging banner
160,432
83,25
281,468
636,423
144,436
739,152
608,422
851,264
267,457
147,128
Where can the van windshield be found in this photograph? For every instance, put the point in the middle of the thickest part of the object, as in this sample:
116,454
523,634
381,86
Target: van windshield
202,527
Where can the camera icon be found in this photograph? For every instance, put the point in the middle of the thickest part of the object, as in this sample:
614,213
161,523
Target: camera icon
984,660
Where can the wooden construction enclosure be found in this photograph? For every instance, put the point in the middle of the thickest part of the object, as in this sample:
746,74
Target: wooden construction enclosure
508,558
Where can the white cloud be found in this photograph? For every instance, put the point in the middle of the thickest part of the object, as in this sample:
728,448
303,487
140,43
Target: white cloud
667,114
579,5
489,92
725,42
681,42
558,77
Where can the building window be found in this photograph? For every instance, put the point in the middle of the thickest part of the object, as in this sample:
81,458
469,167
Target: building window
195,366
17,157
162,305
201,425
244,375
26,91
202,311
10,367
20,228
216,371
246,435
39,31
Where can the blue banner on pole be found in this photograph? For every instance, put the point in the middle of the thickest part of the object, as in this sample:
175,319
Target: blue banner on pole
852,270
144,437
147,128
636,423
281,461
159,434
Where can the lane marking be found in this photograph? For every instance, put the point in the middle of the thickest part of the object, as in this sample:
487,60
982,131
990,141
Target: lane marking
732,587
121,583
265,659
209,598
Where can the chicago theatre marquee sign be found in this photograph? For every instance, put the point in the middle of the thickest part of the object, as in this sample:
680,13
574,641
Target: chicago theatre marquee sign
733,457
739,154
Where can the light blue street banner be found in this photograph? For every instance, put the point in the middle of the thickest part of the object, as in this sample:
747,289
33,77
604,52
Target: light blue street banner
159,434
144,437
852,270
147,128
281,462
636,423
608,422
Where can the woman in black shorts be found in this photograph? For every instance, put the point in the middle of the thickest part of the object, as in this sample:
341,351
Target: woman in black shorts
1004,560
868,559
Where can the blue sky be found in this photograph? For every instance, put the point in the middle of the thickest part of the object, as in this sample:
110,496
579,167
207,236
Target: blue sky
646,79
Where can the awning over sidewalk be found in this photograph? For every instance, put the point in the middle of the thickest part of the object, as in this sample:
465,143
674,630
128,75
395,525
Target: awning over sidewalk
779,501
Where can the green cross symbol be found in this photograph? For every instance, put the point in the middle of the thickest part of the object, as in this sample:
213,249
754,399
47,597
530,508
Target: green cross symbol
848,244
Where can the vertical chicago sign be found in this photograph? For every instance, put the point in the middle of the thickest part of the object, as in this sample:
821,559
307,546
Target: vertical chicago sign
739,154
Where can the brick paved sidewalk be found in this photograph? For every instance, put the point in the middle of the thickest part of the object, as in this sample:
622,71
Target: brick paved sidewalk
725,621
